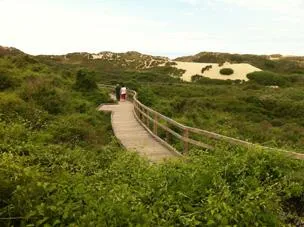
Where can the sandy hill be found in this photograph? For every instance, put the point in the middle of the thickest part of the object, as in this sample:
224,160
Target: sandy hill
187,66
193,68
275,63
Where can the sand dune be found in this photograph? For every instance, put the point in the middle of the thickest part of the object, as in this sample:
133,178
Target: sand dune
193,68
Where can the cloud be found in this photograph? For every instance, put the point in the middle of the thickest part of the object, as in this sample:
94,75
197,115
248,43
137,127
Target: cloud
274,5
56,27
280,6
191,2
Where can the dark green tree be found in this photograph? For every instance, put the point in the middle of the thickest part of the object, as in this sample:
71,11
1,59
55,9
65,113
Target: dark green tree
85,81
226,71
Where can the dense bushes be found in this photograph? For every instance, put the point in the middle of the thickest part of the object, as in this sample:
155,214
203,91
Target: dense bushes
6,81
62,167
232,187
80,129
226,71
196,78
267,78
85,81
205,80
237,110
45,94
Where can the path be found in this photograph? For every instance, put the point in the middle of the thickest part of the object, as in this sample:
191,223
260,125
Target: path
132,135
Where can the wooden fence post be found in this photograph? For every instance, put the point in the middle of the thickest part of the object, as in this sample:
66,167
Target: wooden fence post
135,105
155,124
141,116
148,120
137,111
186,144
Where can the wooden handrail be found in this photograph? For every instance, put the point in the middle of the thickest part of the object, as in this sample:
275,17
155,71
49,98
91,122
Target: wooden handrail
146,115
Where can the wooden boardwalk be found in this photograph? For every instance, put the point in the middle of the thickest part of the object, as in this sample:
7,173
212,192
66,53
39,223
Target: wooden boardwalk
131,123
133,136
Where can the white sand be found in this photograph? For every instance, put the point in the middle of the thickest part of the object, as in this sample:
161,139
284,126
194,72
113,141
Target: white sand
193,68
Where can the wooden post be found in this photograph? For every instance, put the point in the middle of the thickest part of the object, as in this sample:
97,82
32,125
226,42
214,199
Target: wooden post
155,125
134,106
148,121
140,114
186,144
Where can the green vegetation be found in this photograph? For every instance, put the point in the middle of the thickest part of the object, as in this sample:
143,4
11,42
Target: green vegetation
282,65
270,79
249,111
208,67
61,166
226,71
267,78
85,81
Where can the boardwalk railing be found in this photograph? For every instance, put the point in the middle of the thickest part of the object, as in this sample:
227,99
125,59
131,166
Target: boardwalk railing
180,137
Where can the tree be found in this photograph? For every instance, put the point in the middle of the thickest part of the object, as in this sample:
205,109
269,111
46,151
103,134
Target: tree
85,81
226,71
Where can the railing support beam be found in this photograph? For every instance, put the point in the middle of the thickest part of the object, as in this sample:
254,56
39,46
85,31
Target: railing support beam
186,143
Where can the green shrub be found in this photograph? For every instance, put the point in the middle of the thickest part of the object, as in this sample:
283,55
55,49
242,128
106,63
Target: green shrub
14,109
196,78
208,67
205,80
146,96
267,78
97,97
226,71
81,129
6,81
85,81
22,61
43,93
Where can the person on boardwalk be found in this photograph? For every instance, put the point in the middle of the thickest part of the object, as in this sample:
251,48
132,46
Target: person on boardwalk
117,92
123,92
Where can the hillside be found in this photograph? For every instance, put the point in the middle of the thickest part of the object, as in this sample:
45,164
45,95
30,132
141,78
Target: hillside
9,51
60,164
130,60
275,63
212,71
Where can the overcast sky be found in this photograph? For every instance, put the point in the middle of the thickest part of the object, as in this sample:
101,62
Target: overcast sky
160,27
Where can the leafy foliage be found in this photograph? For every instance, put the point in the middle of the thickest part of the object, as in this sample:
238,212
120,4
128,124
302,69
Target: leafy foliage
226,71
249,111
267,78
208,67
61,166
85,81
6,81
